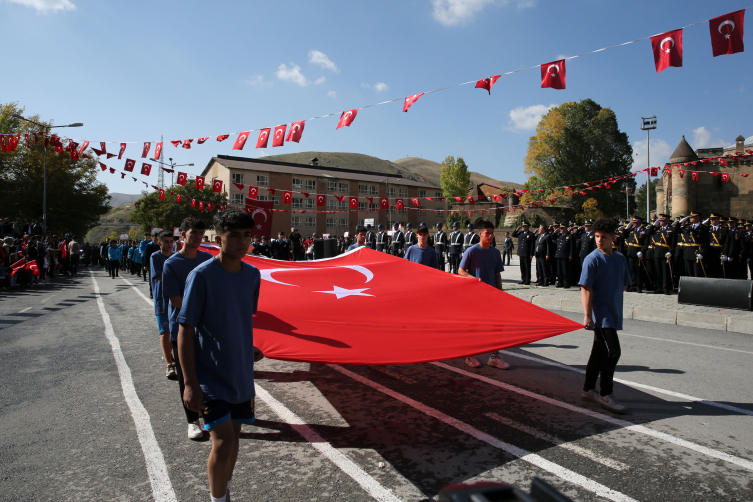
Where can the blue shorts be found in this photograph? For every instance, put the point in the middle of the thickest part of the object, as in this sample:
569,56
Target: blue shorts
164,323
218,411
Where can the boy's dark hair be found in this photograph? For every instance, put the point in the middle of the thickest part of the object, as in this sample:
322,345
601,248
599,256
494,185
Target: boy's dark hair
423,229
232,218
482,224
192,223
165,233
605,225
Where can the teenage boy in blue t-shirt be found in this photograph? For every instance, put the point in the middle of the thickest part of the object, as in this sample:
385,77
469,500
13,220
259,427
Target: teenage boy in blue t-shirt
156,265
603,281
360,238
422,253
483,262
174,276
216,344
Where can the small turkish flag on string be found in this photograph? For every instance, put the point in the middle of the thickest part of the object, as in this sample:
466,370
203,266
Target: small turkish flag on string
399,204
175,143
201,141
239,186
694,175
725,177
241,140
681,172
158,150
217,186
279,135
145,151
28,143
223,137
667,49
253,192
416,202
200,183
102,166
744,175
347,118
496,197
384,203
103,147
410,100
263,138
287,197
81,149
487,83
296,131
177,198
162,194
553,74
110,155
112,170
146,169
272,191
320,202
201,205
181,178
459,199
305,194
354,202
470,200
654,171
187,144
129,165
727,33
122,176
122,150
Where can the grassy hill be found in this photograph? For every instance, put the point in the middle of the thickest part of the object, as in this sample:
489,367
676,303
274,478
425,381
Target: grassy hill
119,199
430,170
117,219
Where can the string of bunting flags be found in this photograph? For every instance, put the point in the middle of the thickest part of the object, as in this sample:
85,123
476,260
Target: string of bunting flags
726,33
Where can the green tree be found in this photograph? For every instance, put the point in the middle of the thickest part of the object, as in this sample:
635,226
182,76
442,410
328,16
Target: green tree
578,142
455,178
75,199
639,208
151,211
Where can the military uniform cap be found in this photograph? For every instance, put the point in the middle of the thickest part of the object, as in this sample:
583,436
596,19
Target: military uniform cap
423,224
712,215
396,225
731,218
694,213
409,225
663,217
525,224
562,225
381,225
470,225
438,225
456,224
368,225
589,221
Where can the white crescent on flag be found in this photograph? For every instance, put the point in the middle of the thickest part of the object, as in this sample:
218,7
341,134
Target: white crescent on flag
731,23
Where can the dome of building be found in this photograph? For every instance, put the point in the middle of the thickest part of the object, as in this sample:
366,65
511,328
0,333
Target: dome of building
683,153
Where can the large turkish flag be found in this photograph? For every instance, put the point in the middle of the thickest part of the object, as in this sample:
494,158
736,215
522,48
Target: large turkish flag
261,212
727,33
322,328
667,49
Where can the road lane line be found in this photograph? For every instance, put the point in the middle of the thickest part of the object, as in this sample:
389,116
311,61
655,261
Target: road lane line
688,343
394,374
46,298
740,462
584,452
142,295
24,310
520,453
368,483
162,488
636,384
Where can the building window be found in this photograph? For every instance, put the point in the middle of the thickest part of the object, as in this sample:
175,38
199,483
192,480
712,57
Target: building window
373,190
363,189
237,178
296,221
421,193
438,195
310,203
237,198
362,206
403,211
391,192
344,205
262,181
331,205
421,212
310,221
311,185
263,197
403,192
373,206
297,183
331,222
345,187
360,222
332,186
276,200
298,202
343,222
391,210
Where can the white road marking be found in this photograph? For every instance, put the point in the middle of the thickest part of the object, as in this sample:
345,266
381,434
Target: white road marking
688,343
142,295
162,489
520,453
740,462
394,374
636,384
585,452
46,298
24,310
338,458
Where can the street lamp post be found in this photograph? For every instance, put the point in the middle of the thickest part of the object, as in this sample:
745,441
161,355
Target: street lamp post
44,196
648,123
172,165
389,209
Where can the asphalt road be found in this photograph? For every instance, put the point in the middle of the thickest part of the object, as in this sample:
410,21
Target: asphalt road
89,415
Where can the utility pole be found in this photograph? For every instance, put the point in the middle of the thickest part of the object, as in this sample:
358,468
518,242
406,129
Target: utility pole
161,179
648,123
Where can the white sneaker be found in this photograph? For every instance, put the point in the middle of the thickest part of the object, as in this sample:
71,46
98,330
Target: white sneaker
497,362
194,431
591,395
612,404
472,362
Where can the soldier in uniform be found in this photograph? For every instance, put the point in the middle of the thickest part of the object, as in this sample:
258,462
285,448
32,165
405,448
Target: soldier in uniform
587,241
564,255
696,243
732,252
678,260
398,241
440,245
635,239
664,240
381,239
456,247
370,237
410,236
526,249
544,253
713,255
649,259
470,238
748,251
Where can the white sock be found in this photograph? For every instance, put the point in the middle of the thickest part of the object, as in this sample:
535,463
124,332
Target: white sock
218,499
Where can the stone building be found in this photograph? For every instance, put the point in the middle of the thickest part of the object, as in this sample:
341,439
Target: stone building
678,196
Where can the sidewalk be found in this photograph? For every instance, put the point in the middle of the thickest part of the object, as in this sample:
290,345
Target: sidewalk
639,306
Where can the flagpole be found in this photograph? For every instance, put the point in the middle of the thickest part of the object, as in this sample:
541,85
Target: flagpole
648,123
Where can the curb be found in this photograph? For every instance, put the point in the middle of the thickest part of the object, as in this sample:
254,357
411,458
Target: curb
733,324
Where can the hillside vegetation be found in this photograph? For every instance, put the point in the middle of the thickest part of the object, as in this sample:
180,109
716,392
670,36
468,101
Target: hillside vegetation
430,170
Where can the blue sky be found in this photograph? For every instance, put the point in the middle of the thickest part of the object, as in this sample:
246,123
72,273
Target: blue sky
132,71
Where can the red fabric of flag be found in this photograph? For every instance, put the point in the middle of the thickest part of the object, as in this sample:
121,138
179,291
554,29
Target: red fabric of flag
158,150
239,186
416,202
201,205
354,202
487,83
347,118
175,143
146,169
129,165
253,192
279,135
667,49
200,183
410,100
459,199
287,197
399,204
162,194
193,202
223,137
470,200
187,144
112,170
263,138
727,33
694,175
217,186
261,212
241,140
201,141
553,74
725,177
145,150
102,166
182,177
681,172
296,131
496,197
320,200
654,171
122,150
384,203
81,149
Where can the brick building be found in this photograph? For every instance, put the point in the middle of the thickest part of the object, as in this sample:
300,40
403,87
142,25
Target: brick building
319,180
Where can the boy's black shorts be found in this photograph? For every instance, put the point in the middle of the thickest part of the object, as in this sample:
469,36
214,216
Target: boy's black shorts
218,411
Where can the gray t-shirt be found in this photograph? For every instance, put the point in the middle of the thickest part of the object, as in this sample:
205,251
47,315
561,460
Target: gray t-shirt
482,263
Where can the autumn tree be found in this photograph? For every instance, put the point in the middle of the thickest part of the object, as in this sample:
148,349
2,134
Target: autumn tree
455,178
575,143
151,211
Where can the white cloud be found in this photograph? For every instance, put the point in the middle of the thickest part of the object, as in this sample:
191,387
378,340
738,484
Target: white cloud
320,58
702,139
47,5
660,153
378,87
331,94
293,74
526,119
257,81
320,80
454,12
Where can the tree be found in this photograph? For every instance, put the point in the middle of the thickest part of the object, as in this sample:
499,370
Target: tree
640,199
151,211
75,199
455,178
590,211
575,143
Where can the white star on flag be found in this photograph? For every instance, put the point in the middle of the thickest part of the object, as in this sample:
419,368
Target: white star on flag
344,293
